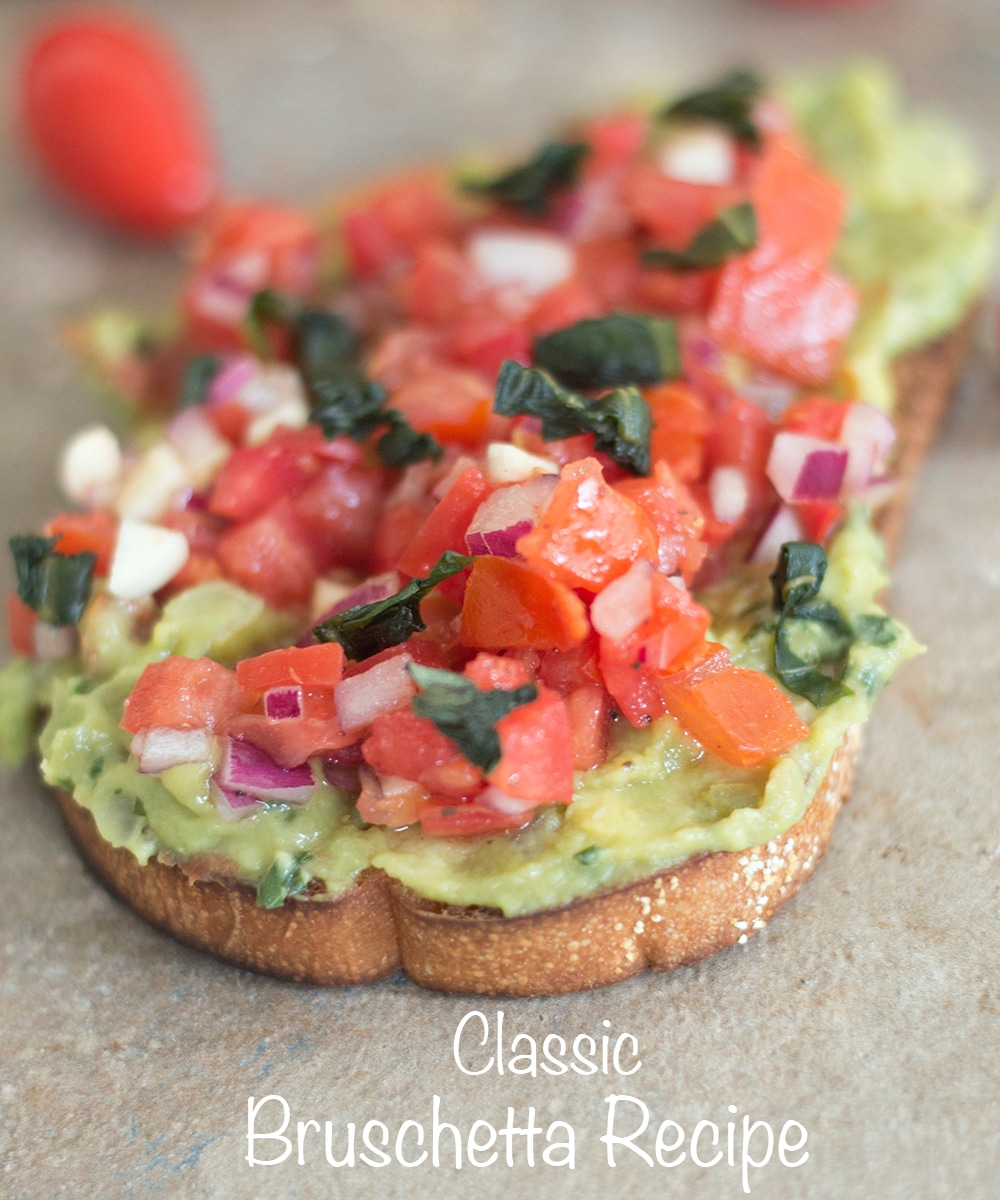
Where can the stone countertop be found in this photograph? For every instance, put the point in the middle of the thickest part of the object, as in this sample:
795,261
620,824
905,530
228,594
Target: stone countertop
867,1011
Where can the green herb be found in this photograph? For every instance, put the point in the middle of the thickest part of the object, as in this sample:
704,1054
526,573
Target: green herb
530,186
611,351
734,231
284,879
729,101
56,586
796,581
344,402
875,629
365,629
137,808
620,420
268,307
198,376
590,855
96,767
464,713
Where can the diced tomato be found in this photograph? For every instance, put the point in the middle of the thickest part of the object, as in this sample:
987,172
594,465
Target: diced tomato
231,420
319,666
741,437
21,622
436,284
537,751
449,818
338,513
589,710
633,687
589,534
817,416
609,267
403,744
490,671
614,141
291,741
254,477
392,223
445,528
742,716
676,292
393,801
270,556
819,518
394,533
562,305
184,693
483,338
402,354
443,617
678,520
508,605
680,422
671,210
202,529
450,403
90,531
799,210
565,670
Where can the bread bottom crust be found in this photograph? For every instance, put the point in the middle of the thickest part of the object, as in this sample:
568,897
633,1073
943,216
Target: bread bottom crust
672,919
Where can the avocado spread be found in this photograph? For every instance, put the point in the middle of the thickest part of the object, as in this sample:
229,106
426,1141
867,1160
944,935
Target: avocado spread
917,244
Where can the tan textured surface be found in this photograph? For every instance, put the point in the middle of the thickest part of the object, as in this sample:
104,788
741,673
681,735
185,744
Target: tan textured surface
868,1010
671,920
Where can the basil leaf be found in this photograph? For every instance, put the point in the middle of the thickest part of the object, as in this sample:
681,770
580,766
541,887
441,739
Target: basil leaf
529,187
401,445
365,629
283,880
729,101
57,586
875,629
347,408
198,376
734,231
464,713
611,351
620,420
326,346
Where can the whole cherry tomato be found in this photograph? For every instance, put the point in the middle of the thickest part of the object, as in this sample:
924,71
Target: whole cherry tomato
113,118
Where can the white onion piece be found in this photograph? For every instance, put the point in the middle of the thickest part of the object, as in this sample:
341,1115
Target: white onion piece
160,749
507,514
785,526
702,155
200,445
869,435
510,464
52,642
806,468
626,602
153,484
283,703
533,261
493,797
90,467
381,689
247,768
145,558
231,804
728,494
277,397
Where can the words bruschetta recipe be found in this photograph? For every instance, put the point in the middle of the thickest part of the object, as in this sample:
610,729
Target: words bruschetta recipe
491,584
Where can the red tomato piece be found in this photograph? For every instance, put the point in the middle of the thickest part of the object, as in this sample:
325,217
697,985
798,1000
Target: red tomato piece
199,568
21,622
819,518
78,532
292,741
436,285
536,741
509,605
678,520
484,338
319,666
444,529
269,556
114,120
254,477
393,222
394,533
452,404
609,267
563,305
589,534
799,211
491,671
742,716
589,710
671,210
184,693
676,292
339,512
565,670
448,818
403,744
680,422
614,141
396,802
817,416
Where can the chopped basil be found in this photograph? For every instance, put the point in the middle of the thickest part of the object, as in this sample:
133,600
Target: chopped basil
530,186
401,445
198,376
620,420
284,879
588,856
365,629
611,351
729,101
56,586
796,581
734,231
875,629
96,767
137,808
464,713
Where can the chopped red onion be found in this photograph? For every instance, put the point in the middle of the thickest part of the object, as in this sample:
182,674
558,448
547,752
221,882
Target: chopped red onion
235,374
281,703
381,689
626,602
159,749
507,514
379,587
806,468
869,435
784,527
246,768
232,804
